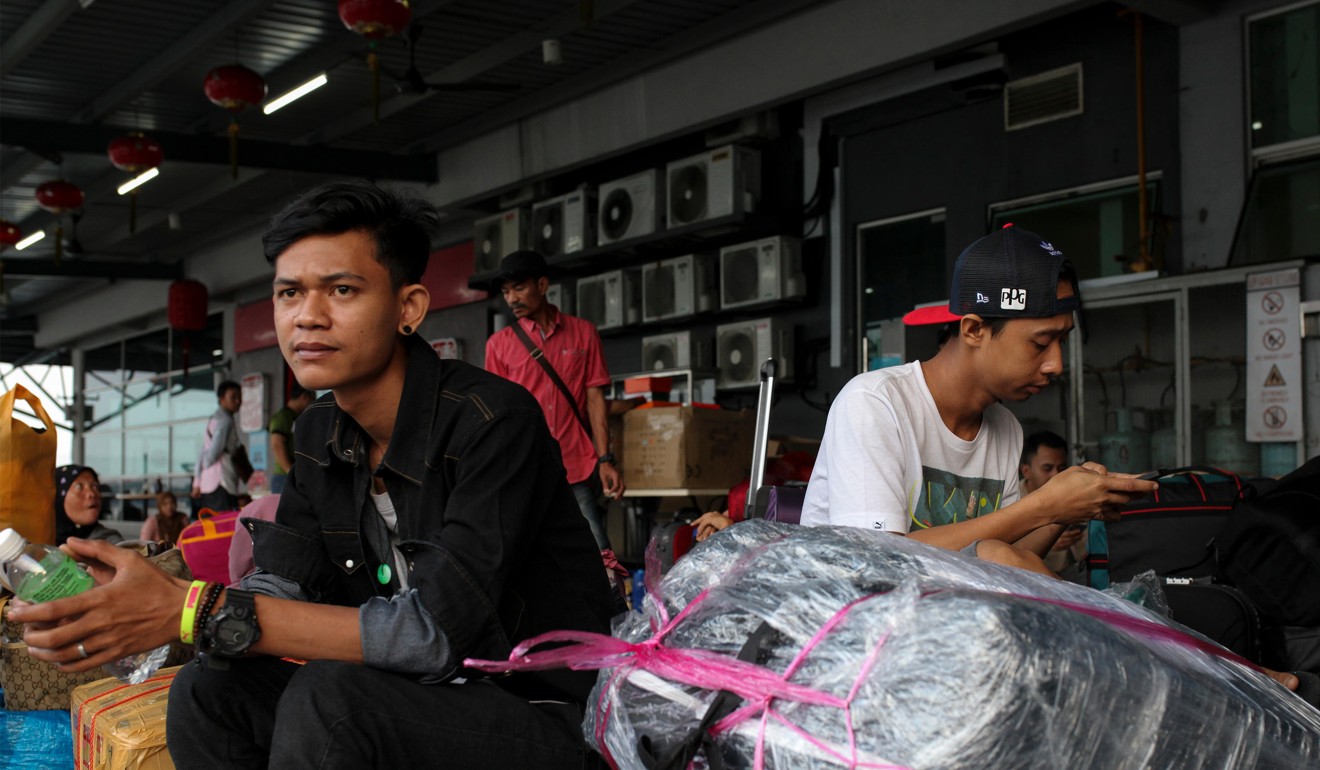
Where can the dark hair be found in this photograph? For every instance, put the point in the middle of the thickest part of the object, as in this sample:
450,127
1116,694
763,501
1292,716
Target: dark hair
400,225
1044,438
297,391
225,387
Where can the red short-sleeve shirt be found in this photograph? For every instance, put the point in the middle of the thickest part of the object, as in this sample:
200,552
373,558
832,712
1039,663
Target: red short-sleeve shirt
573,348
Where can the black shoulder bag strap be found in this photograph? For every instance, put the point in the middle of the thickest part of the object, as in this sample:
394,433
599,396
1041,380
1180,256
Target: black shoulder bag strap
538,355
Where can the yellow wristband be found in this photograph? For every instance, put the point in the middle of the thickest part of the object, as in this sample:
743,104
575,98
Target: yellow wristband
189,618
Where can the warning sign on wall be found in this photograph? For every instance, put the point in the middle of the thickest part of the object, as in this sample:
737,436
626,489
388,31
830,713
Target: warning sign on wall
1274,356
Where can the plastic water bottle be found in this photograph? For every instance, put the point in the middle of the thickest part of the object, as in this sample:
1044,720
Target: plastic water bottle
41,573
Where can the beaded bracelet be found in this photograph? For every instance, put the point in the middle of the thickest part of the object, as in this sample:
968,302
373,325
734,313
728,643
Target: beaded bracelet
204,611
188,620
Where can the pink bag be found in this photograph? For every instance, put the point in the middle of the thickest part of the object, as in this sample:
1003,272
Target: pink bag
205,545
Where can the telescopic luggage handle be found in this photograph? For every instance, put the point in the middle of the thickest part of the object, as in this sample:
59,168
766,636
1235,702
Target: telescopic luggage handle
761,440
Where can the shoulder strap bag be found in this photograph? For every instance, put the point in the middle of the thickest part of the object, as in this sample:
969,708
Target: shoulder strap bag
538,355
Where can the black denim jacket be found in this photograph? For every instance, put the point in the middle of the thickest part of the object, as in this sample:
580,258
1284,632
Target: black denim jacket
497,548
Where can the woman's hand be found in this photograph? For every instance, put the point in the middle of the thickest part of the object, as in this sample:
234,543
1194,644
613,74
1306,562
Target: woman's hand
134,607
710,523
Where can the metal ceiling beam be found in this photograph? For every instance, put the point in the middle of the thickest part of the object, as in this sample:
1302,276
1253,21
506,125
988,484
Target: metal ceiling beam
45,20
86,268
92,139
676,46
486,59
322,58
217,26
1176,12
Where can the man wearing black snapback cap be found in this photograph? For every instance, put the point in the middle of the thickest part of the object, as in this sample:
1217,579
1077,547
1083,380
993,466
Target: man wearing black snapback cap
927,450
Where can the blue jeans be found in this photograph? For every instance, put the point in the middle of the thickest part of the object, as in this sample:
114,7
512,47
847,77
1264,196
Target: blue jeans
267,712
588,497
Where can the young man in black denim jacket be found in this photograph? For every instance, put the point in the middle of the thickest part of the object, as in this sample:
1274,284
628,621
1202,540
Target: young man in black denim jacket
427,520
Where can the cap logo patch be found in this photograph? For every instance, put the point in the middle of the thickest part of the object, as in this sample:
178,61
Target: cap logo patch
1012,299
1046,245
981,299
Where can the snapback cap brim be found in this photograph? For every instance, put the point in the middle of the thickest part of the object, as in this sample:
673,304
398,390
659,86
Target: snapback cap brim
932,314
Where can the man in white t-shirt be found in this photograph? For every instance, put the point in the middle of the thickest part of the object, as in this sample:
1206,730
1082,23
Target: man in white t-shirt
927,450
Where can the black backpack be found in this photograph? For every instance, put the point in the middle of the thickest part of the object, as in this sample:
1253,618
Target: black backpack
1270,547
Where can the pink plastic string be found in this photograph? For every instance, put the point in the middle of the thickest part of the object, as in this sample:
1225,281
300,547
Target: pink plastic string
758,686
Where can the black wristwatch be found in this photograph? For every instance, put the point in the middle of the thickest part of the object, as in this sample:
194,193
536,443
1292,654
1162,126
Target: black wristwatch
231,631
608,457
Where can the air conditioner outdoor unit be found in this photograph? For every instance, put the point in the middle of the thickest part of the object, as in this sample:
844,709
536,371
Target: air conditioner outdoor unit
563,225
716,183
561,296
496,236
610,300
677,350
629,207
759,272
742,347
678,287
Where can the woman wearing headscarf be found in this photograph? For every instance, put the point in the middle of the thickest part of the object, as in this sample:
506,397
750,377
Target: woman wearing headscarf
78,506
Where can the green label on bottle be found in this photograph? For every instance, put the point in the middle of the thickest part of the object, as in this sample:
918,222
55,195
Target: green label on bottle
62,577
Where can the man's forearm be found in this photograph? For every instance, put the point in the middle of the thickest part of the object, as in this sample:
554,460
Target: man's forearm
1010,524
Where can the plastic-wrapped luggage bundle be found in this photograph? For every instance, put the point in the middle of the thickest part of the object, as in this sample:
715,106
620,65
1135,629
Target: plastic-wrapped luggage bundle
870,650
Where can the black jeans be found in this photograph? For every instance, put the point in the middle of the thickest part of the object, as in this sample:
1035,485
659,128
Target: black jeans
267,712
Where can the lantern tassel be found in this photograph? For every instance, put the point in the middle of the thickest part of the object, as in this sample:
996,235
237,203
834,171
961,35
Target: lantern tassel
233,148
373,64
59,240
132,211
186,345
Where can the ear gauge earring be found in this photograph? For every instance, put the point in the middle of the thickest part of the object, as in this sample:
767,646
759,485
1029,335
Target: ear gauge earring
407,330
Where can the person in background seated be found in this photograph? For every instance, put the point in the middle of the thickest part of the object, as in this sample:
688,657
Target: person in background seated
168,522
1044,455
78,506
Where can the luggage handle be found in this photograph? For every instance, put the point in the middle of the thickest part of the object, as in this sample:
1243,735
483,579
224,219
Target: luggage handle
761,439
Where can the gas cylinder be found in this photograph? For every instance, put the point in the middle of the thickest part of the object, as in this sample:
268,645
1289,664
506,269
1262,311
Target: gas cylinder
1226,444
1164,443
1126,449
1277,458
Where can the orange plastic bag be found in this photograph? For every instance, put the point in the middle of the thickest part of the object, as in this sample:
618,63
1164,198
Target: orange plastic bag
27,470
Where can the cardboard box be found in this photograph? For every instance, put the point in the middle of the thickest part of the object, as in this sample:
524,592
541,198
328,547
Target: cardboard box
684,447
119,726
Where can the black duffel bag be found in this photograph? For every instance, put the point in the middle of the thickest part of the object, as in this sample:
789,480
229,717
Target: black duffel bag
1270,547
1170,530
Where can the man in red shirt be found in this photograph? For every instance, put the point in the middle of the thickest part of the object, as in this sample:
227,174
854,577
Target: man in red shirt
571,346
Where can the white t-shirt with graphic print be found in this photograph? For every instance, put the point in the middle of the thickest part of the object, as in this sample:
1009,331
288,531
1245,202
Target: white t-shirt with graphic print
888,462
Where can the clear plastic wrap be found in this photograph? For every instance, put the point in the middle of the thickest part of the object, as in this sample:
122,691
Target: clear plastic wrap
878,651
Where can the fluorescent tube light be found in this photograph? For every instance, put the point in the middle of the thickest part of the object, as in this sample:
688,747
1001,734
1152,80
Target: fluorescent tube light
297,93
139,180
31,239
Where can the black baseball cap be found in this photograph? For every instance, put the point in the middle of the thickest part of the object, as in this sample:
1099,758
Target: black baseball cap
521,265
1010,273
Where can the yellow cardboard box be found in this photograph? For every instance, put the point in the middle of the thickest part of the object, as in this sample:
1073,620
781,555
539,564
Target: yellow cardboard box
119,726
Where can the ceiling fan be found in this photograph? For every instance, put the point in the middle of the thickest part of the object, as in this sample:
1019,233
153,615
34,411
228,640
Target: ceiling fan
412,82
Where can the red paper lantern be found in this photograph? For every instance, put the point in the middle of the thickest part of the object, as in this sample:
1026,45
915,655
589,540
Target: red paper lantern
58,196
9,233
375,19
234,87
187,306
135,153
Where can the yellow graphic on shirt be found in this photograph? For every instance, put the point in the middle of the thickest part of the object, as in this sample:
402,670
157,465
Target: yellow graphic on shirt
947,498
